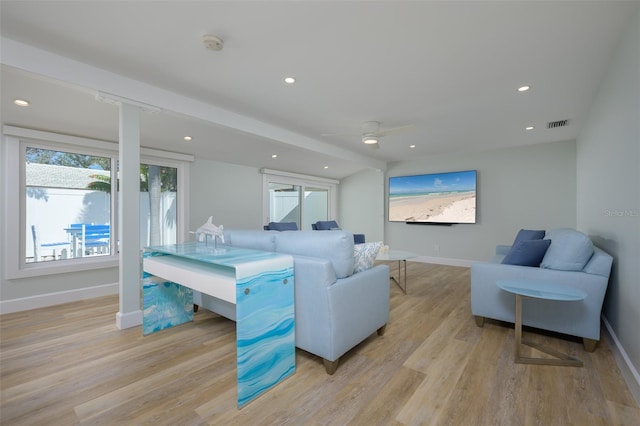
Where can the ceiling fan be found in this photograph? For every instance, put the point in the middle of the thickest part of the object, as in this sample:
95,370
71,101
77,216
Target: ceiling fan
371,132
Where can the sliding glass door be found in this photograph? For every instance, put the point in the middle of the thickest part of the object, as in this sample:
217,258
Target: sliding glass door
316,205
297,198
284,203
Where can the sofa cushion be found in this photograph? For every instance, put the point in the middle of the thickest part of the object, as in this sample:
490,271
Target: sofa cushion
528,234
336,246
364,255
527,253
570,250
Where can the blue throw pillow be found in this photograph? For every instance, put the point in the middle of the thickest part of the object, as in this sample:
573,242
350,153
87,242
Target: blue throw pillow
326,225
527,253
528,234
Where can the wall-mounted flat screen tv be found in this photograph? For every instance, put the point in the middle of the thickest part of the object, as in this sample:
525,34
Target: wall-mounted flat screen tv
438,198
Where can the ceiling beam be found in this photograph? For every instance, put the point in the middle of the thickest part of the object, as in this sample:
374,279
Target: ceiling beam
70,71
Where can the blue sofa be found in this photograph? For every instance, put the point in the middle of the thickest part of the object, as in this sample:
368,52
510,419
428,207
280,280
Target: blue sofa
335,309
571,260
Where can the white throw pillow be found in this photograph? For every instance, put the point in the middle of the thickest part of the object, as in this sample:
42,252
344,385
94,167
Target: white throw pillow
570,250
364,255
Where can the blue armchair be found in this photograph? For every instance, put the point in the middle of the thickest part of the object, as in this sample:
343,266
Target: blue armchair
281,226
330,225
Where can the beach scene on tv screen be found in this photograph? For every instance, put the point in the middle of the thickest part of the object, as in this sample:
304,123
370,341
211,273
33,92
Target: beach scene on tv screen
438,198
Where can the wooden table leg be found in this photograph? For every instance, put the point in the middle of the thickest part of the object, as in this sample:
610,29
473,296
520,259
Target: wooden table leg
518,326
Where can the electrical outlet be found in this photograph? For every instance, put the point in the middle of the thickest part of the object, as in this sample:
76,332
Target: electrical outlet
436,248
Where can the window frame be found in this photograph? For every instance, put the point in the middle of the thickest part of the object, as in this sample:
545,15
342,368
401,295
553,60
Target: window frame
15,140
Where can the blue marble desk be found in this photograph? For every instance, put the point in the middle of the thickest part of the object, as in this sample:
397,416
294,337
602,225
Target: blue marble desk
258,283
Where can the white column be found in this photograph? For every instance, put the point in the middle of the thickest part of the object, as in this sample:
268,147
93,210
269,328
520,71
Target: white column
130,313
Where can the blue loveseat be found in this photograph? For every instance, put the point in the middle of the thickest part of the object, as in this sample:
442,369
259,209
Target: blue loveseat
335,308
571,260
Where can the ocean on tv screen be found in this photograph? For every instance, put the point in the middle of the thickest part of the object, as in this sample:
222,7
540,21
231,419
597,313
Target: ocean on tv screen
433,198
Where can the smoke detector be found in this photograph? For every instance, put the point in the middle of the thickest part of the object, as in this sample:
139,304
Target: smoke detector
212,42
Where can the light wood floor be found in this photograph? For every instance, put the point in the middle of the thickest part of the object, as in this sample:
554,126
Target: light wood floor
70,365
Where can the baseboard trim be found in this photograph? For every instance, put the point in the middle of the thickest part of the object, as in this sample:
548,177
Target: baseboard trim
58,298
628,370
128,319
443,261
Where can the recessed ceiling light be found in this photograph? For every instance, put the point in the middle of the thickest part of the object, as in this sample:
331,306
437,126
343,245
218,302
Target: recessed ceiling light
21,102
289,80
188,138
529,128
412,146
274,156
523,88
326,167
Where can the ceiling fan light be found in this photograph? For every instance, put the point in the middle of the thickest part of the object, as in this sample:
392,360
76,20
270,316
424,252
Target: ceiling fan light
370,140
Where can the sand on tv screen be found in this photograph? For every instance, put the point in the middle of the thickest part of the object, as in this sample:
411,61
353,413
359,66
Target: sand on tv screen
433,198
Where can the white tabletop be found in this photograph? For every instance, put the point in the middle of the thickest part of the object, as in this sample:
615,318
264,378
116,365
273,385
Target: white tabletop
541,290
391,255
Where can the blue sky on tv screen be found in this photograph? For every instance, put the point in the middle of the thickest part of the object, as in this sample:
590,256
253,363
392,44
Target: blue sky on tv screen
437,182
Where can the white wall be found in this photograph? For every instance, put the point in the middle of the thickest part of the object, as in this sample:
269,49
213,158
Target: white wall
230,193
361,204
3,219
608,194
68,282
525,187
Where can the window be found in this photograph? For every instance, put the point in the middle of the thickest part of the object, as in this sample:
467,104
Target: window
67,205
290,197
61,209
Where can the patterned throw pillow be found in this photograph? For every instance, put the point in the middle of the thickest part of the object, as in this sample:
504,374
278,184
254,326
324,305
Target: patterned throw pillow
364,255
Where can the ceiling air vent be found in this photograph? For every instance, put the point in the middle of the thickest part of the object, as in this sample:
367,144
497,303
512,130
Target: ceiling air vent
559,123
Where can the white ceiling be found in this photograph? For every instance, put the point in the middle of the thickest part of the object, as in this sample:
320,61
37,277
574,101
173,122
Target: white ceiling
449,68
